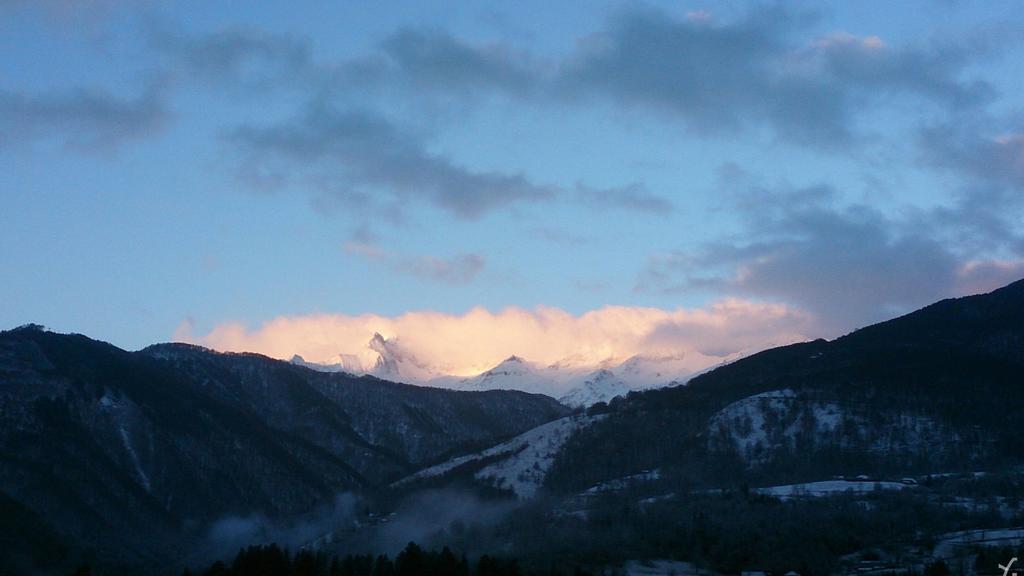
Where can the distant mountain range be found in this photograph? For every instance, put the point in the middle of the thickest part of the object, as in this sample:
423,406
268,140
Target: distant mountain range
573,385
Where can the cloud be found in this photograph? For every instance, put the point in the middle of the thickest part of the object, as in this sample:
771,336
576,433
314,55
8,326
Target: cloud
977,276
81,119
225,536
982,150
360,159
559,236
985,155
357,156
848,265
459,269
721,77
69,14
409,63
469,343
437,60
635,197
766,69
243,58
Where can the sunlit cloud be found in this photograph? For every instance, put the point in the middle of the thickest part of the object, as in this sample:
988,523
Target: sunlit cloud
469,343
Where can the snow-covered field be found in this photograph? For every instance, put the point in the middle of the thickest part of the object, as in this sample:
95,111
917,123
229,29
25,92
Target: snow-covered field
949,544
662,568
624,482
523,461
828,487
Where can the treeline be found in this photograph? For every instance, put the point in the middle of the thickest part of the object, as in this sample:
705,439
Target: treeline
729,531
272,560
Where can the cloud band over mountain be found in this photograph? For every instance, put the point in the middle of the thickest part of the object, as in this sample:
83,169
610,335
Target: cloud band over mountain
469,343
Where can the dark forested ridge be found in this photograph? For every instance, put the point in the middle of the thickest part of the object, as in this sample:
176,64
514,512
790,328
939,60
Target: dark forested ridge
928,391
126,454
272,560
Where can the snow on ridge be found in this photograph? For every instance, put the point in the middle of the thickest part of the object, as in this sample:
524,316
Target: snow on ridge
574,384
828,487
523,461
757,425
744,422
602,386
948,544
623,482
143,477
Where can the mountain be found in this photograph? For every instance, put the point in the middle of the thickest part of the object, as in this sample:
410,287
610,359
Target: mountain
648,371
133,454
341,365
393,362
518,465
599,386
514,373
575,384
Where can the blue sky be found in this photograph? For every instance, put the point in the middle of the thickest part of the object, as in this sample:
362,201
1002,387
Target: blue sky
168,169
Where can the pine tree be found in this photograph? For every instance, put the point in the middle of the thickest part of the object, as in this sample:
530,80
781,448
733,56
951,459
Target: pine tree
410,562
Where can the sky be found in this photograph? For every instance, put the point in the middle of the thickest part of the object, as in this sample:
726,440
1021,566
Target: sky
572,180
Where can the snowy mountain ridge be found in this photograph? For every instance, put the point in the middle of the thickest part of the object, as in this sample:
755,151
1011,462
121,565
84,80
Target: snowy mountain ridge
572,383
520,464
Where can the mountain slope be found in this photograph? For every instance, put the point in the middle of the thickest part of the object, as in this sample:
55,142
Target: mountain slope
403,426
144,449
518,465
575,385
600,386
922,392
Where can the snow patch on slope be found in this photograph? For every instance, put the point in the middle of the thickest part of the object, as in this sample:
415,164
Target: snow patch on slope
623,483
135,459
828,487
600,386
745,424
521,463
758,426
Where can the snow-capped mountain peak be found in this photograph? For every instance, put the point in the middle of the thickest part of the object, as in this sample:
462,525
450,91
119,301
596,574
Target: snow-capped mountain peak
512,373
394,362
599,386
574,383
341,363
511,366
